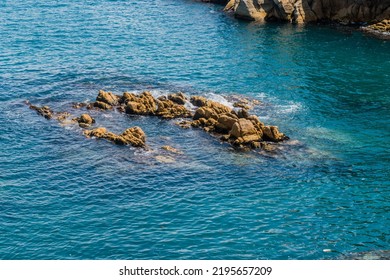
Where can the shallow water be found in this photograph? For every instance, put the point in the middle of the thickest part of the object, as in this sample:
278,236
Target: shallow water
66,197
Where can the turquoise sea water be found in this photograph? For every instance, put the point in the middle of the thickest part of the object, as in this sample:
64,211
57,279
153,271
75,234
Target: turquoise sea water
63,196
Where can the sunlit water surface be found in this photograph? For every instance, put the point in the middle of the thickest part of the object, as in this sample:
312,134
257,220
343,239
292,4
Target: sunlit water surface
63,196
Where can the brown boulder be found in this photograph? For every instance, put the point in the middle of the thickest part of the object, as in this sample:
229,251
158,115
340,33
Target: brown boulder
243,113
245,131
136,108
206,113
132,136
62,117
107,97
127,97
84,120
271,133
199,101
225,123
97,132
167,109
78,105
144,104
102,105
178,98
242,128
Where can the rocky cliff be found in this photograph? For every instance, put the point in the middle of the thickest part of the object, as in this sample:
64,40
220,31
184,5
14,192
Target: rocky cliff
302,11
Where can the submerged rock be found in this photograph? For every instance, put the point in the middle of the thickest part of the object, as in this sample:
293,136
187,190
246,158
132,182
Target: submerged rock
134,136
172,150
165,159
199,101
225,122
104,100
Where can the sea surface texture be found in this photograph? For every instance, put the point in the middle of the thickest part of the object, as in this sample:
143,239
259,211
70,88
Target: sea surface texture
63,196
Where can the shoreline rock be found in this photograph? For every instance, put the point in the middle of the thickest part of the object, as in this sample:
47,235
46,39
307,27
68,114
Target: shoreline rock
374,13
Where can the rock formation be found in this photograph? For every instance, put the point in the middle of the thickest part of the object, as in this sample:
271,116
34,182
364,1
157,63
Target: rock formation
235,126
238,128
302,11
133,136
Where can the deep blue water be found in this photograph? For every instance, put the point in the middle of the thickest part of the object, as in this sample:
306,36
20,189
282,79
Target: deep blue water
63,196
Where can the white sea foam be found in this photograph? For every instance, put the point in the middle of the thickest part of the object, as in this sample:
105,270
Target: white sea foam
219,98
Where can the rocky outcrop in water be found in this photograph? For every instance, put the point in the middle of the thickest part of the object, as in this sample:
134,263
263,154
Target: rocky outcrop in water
239,128
233,125
144,104
133,136
302,11
85,120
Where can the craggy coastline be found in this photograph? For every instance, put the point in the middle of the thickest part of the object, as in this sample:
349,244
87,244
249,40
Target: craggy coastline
372,16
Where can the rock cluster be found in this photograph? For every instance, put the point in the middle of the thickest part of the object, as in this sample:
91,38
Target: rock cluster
143,104
237,127
302,11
